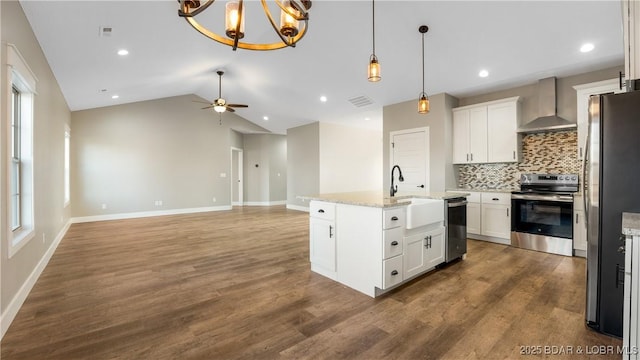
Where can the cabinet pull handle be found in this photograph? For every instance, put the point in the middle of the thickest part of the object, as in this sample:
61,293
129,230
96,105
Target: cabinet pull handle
330,231
514,154
580,152
394,243
467,157
394,218
576,218
507,212
394,272
471,156
321,211
495,199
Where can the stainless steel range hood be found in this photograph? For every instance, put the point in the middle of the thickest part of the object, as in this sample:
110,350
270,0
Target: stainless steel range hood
547,119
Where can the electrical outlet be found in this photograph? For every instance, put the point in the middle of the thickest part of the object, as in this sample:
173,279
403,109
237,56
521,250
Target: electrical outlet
478,176
104,206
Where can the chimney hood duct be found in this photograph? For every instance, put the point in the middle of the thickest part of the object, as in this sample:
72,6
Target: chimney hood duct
547,119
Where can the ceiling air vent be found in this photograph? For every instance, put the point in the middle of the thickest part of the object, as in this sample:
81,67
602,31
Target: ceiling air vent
105,31
360,101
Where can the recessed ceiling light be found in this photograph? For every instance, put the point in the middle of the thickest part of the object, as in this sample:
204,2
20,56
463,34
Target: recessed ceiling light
483,73
123,52
323,98
367,119
265,118
115,96
587,47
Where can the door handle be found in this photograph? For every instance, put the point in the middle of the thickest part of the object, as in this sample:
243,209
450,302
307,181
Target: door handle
421,186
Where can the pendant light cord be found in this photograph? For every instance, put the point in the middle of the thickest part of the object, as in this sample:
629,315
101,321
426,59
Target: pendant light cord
423,63
373,7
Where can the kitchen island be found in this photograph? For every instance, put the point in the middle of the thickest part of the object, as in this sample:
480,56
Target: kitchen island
372,242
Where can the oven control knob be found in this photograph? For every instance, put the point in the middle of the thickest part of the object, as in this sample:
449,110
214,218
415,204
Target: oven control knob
574,178
560,178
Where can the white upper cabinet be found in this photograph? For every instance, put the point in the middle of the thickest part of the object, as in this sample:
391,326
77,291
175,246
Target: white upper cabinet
486,133
502,139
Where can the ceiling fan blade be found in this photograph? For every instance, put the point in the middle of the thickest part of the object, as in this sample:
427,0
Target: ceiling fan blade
238,105
201,102
230,109
207,107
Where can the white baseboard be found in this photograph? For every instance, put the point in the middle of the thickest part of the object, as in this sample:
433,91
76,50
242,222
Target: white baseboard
297,207
265,203
142,214
15,304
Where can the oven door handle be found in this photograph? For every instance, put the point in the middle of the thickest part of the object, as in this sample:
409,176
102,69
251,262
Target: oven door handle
560,198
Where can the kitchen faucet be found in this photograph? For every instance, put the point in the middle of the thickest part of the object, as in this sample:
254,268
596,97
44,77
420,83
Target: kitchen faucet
394,190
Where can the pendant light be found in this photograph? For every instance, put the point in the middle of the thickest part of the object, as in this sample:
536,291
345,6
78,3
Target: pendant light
423,101
374,65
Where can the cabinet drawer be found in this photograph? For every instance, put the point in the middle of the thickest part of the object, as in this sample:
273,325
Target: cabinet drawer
322,210
393,218
474,197
496,198
392,272
392,242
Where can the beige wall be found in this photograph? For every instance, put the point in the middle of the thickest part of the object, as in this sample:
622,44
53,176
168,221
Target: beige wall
266,182
128,156
565,94
303,163
51,116
350,159
403,116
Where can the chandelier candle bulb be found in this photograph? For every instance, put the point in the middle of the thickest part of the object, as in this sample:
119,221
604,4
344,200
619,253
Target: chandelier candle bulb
233,16
289,23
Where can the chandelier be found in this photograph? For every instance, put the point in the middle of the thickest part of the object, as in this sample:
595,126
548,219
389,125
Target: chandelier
294,20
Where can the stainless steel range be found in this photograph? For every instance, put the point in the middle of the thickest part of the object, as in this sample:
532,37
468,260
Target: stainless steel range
542,213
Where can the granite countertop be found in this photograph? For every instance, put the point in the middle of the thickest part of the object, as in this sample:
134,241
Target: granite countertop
631,224
379,199
504,190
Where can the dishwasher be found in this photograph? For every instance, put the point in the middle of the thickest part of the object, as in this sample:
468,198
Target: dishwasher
455,218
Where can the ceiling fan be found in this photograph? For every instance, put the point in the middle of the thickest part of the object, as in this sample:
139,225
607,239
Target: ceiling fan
220,105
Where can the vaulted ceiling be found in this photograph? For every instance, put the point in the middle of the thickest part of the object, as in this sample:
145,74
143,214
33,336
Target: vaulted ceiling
517,42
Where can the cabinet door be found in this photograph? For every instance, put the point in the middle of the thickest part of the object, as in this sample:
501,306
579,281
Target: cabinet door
434,248
322,247
579,231
502,122
461,137
414,254
496,221
478,135
473,218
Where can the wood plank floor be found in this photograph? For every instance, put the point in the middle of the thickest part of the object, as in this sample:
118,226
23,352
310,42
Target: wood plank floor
237,285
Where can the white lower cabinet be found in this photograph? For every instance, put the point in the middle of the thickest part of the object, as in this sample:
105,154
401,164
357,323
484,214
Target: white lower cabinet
474,222
369,249
423,251
496,216
322,239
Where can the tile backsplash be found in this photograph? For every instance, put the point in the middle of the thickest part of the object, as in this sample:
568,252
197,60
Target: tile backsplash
548,153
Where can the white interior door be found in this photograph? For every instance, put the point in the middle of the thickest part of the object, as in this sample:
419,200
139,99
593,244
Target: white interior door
236,177
410,151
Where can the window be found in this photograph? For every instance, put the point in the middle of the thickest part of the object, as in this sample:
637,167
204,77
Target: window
67,170
16,221
20,161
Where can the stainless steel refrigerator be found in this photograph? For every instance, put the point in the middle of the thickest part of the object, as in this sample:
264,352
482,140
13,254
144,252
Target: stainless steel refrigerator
612,186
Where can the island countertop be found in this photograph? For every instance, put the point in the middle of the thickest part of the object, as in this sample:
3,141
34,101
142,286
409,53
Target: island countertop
380,199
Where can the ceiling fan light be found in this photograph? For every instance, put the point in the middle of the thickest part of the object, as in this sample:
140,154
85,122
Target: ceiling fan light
219,108
289,25
374,69
232,16
423,104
